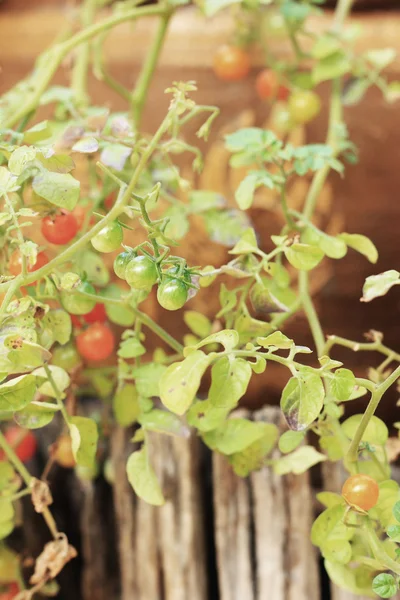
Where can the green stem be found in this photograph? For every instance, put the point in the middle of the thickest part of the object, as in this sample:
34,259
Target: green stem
146,74
377,548
360,347
57,394
79,81
311,313
18,229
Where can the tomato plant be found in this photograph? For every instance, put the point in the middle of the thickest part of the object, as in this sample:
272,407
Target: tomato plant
64,308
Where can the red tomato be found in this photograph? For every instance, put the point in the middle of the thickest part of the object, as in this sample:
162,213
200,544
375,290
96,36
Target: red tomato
110,201
15,264
10,593
80,213
60,228
96,343
22,441
268,86
361,491
231,63
76,320
97,315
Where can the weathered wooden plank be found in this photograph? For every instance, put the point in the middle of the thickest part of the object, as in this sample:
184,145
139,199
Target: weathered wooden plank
263,532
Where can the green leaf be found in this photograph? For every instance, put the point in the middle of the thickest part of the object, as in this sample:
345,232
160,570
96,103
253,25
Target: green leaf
228,338
252,458
226,226
396,511
92,265
329,499
298,461
25,355
131,348
289,440
84,436
164,422
277,339
148,378
244,194
356,580
332,446
180,382
333,247
211,7
354,91
20,158
117,313
393,532
60,378
86,145
57,163
328,524
386,509
8,477
142,478
57,188
197,323
381,58
115,156
178,225
362,244
37,133
59,322
376,431
234,436
203,201
6,528
34,416
263,300
325,45
205,417
6,510
330,67
229,380
342,384
384,585
247,243
17,393
379,285
337,551
302,400
8,181
126,405
303,256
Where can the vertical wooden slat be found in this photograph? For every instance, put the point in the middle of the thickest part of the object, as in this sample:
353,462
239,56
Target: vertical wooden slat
263,532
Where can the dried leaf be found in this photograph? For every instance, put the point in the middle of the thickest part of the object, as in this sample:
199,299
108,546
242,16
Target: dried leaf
51,561
41,495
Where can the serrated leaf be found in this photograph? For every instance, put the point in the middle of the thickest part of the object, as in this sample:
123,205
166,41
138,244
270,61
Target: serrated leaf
299,461
302,400
303,256
379,285
142,478
180,382
57,188
84,436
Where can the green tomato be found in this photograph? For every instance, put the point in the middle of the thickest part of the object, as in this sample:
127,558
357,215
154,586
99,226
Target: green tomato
273,25
281,119
141,273
76,304
304,106
172,294
66,357
109,238
120,263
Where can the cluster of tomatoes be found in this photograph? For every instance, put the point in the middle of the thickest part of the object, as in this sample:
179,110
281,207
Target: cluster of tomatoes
232,63
142,273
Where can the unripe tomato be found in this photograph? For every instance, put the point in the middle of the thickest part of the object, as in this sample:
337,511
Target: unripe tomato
268,86
96,343
141,272
15,264
304,106
109,238
75,303
120,263
22,441
66,357
60,228
172,294
361,491
281,120
231,63
97,315
62,453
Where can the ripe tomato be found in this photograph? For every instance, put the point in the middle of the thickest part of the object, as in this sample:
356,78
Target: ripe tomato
304,106
10,591
76,304
96,343
361,491
97,315
62,453
15,264
80,213
110,201
268,86
22,441
60,228
109,238
141,273
76,320
120,263
231,63
172,294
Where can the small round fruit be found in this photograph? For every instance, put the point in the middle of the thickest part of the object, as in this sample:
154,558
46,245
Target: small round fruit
120,263
231,63
75,303
97,315
361,491
172,294
22,441
66,357
63,454
141,273
268,86
109,238
60,228
281,120
96,343
15,264
304,106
